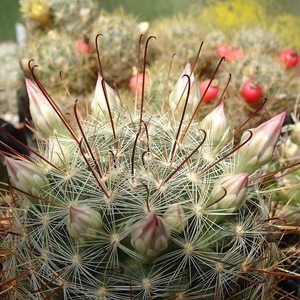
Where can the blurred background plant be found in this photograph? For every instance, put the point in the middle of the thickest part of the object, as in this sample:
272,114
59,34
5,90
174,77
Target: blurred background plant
264,27
283,13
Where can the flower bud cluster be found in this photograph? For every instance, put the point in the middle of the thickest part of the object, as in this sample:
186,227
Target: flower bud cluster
134,206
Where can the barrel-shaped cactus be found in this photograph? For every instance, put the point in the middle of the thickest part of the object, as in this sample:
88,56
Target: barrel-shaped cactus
136,204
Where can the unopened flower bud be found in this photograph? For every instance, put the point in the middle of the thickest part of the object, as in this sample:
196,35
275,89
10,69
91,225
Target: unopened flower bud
175,217
235,186
178,96
99,103
43,115
25,176
83,222
216,125
259,149
150,235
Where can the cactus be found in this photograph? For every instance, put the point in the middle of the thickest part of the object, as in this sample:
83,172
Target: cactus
53,56
76,17
261,64
65,43
171,31
73,17
135,204
118,45
258,39
10,77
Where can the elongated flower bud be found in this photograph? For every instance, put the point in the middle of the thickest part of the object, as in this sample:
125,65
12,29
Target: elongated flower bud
99,103
216,125
175,217
25,176
259,149
83,222
235,186
178,96
43,115
150,235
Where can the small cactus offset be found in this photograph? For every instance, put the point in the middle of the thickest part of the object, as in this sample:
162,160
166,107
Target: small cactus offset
135,204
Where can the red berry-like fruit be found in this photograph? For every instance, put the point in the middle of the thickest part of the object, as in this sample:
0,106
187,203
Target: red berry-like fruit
289,58
83,46
223,50
251,91
136,83
212,91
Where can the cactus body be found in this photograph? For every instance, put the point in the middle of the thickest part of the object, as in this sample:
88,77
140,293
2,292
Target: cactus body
135,204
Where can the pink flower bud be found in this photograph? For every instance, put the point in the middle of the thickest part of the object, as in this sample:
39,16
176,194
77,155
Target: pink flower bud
259,149
99,105
25,176
216,126
43,115
236,188
178,96
150,235
83,222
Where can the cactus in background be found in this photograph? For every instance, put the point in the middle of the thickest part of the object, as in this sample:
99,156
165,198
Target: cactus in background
53,56
135,204
259,39
73,17
118,46
60,37
260,63
171,31
35,11
10,77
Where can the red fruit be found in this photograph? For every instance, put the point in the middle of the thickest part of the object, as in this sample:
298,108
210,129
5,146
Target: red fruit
136,83
223,50
212,91
83,46
289,58
236,54
251,91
